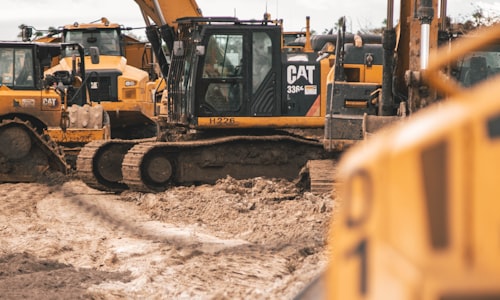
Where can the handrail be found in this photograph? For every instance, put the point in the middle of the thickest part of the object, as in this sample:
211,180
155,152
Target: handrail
476,40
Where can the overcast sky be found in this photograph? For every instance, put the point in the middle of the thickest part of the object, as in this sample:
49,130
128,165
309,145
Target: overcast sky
324,13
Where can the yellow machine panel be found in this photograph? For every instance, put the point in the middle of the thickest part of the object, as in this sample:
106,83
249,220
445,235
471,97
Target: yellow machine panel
419,218
76,135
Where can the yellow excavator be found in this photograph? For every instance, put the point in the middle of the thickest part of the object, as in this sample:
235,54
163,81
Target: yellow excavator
73,105
237,102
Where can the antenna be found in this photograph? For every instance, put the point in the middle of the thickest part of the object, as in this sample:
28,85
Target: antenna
277,8
267,15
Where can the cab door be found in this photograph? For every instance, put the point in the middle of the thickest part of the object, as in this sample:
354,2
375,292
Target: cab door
266,72
239,72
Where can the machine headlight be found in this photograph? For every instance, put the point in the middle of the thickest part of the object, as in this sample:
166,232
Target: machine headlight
130,83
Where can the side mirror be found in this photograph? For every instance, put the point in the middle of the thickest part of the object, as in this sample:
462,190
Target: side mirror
26,33
94,55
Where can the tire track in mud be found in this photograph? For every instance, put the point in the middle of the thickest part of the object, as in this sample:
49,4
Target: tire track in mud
192,247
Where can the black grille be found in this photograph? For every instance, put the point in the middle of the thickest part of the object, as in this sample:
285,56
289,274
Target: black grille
103,87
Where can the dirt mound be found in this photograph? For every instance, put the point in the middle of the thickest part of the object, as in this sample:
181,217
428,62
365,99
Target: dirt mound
270,213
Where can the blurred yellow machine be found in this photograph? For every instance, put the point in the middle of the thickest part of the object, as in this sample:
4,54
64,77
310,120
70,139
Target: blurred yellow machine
419,218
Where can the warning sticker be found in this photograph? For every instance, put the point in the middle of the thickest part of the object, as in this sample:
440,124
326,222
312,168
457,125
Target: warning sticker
310,90
27,102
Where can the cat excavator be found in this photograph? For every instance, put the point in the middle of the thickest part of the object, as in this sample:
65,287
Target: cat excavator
116,101
237,102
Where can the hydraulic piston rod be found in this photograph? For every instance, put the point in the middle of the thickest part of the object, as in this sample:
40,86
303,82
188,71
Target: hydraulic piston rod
425,15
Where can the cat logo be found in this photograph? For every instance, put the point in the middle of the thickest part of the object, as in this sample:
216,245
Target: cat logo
51,102
294,73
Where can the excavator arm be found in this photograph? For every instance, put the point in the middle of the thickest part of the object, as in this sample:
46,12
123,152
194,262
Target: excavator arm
165,12
160,18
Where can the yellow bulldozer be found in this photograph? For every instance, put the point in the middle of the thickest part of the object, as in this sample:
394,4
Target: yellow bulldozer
40,114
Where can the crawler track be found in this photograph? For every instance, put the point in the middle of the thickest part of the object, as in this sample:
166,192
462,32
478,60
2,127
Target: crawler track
25,154
149,166
99,164
322,175
153,167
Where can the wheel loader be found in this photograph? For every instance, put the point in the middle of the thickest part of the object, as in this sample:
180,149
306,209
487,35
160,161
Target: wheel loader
42,114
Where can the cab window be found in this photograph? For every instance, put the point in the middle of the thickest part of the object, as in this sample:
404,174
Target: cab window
261,58
107,40
222,72
16,67
224,56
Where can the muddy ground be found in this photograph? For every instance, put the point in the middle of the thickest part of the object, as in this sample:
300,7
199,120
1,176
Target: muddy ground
238,239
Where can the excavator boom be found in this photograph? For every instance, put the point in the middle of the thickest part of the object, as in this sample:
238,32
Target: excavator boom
165,12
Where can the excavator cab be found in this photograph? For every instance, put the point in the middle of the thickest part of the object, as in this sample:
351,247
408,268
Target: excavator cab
477,66
233,71
224,70
19,64
237,74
